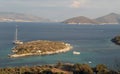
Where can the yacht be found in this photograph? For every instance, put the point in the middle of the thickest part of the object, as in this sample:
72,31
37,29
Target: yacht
16,41
76,52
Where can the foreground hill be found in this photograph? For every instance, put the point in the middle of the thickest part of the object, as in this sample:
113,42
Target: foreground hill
59,68
19,17
111,18
80,20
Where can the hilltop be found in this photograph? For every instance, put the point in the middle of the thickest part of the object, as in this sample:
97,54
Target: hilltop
80,20
20,17
111,18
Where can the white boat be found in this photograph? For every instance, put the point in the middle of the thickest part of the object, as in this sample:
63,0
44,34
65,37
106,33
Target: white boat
76,52
89,61
16,41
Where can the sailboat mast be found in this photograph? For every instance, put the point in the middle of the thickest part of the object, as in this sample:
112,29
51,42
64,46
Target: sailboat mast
16,39
16,33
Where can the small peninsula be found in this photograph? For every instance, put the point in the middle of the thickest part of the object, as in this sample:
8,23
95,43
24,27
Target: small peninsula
116,40
40,47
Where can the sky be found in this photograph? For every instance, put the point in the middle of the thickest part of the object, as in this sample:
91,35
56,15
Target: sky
61,9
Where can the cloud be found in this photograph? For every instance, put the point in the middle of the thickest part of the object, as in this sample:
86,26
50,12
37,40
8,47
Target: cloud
76,4
79,3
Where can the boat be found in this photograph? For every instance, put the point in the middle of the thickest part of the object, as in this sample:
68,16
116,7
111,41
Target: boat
76,52
89,61
16,41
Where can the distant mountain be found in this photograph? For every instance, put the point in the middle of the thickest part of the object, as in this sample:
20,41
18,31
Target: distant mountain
19,17
111,18
80,20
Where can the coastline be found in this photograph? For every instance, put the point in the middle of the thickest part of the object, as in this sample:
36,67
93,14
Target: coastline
67,48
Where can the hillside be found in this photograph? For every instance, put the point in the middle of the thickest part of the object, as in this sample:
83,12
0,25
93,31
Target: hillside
111,18
19,17
80,20
60,68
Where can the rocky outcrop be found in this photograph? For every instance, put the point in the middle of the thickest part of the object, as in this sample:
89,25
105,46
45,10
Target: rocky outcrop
116,40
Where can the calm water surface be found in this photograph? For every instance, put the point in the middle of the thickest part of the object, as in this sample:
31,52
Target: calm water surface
92,41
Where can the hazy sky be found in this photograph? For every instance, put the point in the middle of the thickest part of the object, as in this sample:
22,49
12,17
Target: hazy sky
61,9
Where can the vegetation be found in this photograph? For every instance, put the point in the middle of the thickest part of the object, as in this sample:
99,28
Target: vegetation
40,47
59,68
82,69
116,40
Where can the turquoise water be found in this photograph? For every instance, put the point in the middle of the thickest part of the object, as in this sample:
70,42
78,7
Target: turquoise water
92,41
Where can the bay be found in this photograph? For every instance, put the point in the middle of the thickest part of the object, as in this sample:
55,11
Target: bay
92,41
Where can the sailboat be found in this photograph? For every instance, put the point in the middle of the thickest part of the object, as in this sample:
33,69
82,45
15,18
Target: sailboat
16,41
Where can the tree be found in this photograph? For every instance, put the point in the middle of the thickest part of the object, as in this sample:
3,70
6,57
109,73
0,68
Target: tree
82,69
59,64
101,69
47,72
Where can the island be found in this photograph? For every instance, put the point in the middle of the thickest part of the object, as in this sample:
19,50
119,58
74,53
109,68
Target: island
116,40
21,17
40,47
111,18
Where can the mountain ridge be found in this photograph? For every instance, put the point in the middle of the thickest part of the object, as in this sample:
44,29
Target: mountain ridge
20,17
80,20
111,18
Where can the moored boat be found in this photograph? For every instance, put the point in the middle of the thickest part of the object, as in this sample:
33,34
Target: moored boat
76,52
16,41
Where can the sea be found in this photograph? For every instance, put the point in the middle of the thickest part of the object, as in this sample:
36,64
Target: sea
92,41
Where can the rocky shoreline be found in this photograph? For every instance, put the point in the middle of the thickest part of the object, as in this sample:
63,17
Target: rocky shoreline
116,40
39,52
